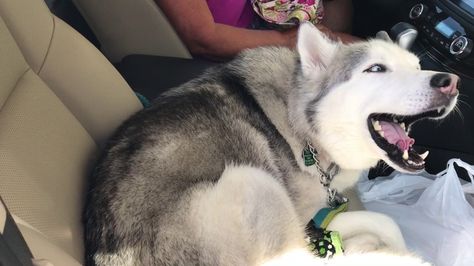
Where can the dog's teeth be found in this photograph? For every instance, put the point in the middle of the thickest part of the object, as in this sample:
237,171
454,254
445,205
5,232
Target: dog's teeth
402,125
405,155
424,155
376,125
381,133
440,109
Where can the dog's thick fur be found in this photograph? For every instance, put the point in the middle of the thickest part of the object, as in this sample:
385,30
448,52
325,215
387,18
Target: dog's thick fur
212,173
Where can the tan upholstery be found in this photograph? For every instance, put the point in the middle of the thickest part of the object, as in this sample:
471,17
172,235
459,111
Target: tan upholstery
126,27
73,68
43,248
60,99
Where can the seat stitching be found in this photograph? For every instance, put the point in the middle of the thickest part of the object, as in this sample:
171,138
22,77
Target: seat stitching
49,45
14,86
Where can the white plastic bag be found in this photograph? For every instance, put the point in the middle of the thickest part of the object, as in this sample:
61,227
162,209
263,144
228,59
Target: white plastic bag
434,216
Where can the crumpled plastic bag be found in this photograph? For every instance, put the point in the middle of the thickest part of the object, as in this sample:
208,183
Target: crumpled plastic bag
432,211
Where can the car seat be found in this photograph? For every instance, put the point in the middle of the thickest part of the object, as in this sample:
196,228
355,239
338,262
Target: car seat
60,100
126,27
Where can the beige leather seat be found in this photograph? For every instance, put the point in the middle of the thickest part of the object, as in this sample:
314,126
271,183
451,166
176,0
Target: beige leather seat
126,27
60,99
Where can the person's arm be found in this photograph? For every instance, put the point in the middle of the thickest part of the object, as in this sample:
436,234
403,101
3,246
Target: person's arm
194,23
338,36
338,15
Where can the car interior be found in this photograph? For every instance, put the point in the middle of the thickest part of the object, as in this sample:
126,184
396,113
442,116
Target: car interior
70,72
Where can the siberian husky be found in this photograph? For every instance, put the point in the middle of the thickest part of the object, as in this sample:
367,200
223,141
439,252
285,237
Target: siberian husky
212,173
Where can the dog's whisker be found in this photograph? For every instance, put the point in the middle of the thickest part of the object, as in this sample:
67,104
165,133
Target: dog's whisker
457,110
420,54
385,167
460,101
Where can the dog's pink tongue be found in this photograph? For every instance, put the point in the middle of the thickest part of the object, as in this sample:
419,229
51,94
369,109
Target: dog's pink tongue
395,135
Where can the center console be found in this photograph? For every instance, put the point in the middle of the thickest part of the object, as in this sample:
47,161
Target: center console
446,30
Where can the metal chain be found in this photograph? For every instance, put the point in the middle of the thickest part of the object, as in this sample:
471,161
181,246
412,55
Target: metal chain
326,177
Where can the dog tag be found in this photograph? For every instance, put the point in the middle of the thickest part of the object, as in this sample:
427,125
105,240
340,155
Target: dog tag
308,157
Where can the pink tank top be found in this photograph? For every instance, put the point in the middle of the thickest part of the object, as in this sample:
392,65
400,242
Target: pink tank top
237,13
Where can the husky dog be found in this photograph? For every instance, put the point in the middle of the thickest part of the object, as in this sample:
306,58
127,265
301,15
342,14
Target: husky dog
212,173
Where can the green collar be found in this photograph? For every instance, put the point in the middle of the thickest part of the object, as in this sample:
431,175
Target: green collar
325,215
321,242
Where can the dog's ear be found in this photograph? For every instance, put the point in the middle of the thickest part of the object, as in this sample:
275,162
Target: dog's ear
383,35
315,48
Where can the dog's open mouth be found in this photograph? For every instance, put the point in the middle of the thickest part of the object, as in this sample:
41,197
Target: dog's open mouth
390,133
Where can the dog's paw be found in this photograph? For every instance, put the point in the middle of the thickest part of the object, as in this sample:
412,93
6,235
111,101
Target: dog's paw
364,231
377,259
362,243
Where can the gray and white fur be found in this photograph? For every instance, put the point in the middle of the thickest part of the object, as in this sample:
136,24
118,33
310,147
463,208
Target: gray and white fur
212,173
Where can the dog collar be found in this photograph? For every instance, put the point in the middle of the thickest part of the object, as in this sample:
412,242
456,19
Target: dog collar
321,242
325,176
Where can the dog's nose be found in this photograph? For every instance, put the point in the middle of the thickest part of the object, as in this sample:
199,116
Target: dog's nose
446,83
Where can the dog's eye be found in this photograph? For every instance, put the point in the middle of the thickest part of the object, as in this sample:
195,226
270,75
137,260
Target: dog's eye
376,68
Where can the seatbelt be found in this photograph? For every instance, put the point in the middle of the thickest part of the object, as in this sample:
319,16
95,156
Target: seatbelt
13,248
